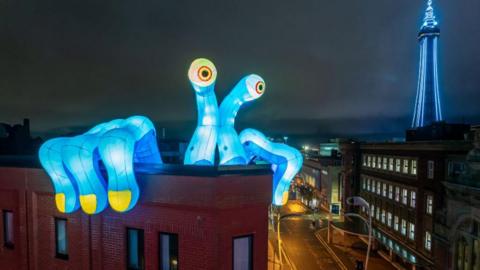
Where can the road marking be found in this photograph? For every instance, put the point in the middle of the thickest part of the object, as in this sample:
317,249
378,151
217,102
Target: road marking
330,251
287,259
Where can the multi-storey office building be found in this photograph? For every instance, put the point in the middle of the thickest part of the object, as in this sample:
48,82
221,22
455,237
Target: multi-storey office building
403,184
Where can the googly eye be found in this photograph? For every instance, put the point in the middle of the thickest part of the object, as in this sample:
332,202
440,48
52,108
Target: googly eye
260,87
255,86
202,72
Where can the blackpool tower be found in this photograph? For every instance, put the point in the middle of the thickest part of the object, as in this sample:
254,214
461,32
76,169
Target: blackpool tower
427,103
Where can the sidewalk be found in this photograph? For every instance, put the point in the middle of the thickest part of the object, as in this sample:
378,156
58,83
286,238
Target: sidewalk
347,249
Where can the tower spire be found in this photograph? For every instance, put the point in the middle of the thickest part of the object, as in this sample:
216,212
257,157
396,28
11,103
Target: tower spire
427,108
429,19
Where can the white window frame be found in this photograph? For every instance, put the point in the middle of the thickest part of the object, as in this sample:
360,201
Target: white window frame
430,169
390,192
396,223
397,194
404,227
389,219
398,165
413,198
404,196
414,167
428,241
429,204
411,231
406,166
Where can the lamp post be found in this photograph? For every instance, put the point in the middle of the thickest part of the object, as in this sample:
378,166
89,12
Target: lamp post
359,201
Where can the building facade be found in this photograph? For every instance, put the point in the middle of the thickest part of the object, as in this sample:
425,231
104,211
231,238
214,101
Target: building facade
458,232
187,218
402,182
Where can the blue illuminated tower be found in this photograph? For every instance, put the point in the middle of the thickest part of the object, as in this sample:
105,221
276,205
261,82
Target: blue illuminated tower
427,104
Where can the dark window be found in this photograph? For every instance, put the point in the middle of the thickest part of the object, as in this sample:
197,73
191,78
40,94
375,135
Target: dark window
61,239
243,253
8,229
135,255
168,247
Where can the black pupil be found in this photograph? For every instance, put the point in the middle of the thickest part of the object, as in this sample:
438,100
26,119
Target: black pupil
260,87
205,73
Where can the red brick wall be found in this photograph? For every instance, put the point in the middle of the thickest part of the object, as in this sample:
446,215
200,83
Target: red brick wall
206,213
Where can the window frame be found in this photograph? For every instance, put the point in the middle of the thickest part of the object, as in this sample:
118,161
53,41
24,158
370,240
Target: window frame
430,169
427,243
160,249
251,246
8,244
140,248
58,253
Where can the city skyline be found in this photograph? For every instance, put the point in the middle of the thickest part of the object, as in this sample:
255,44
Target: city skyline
62,80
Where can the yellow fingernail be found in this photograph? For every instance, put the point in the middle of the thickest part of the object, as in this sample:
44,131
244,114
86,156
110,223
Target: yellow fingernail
119,200
88,203
60,202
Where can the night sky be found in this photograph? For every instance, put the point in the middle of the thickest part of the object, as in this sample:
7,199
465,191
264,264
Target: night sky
332,68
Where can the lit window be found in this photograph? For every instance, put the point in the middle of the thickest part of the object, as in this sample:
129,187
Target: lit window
364,185
430,169
135,255
377,214
379,162
368,184
384,190
395,223
61,239
383,216
369,161
397,165
384,164
397,194
374,162
168,249
8,229
428,241
389,219
364,160
404,227
242,253
374,186
404,196
390,192
390,164
414,167
411,231
405,166
372,210
429,204
379,189
413,197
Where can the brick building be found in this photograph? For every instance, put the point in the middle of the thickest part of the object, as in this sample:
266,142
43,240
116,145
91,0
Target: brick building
403,183
187,218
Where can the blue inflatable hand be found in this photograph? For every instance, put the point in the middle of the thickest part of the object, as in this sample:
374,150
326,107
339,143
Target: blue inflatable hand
73,165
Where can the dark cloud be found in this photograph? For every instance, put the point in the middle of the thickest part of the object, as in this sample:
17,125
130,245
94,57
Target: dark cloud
76,63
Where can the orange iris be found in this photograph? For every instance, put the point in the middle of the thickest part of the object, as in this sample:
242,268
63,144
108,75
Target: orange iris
204,73
260,87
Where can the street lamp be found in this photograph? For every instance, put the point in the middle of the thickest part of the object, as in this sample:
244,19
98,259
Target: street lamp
359,201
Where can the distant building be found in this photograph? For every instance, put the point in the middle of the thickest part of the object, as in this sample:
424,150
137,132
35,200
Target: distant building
322,173
16,139
188,217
